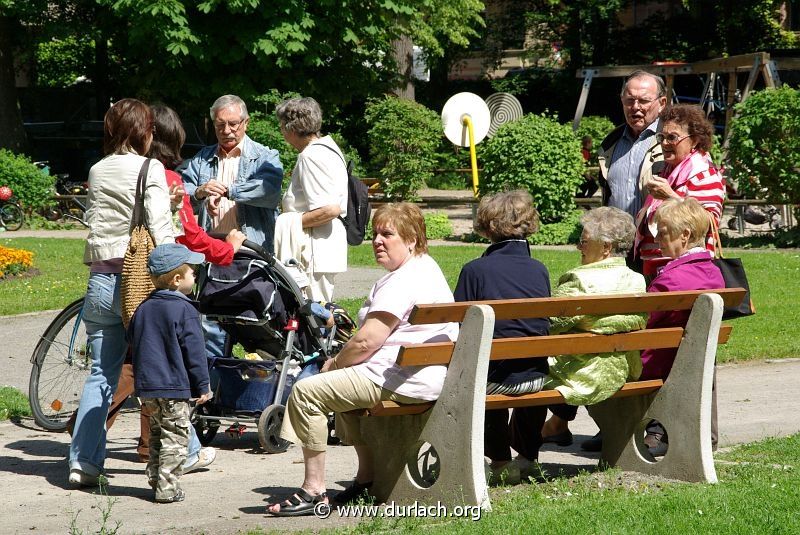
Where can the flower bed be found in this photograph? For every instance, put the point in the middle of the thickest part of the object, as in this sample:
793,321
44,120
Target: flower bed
14,261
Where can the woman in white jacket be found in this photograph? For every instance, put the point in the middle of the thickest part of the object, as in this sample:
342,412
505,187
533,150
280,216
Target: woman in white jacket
317,196
128,132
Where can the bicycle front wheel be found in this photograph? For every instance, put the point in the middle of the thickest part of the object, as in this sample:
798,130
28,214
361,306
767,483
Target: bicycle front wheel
61,363
11,216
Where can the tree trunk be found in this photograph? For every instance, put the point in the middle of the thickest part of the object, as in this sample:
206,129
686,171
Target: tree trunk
404,57
12,132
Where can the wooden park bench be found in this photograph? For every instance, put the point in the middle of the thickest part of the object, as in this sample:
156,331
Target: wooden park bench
453,424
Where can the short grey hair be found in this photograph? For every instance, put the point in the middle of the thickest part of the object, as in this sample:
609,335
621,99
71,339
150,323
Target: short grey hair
507,215
226,101
610,225
301,116
660,86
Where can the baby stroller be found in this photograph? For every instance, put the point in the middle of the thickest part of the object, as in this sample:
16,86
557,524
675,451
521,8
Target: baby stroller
260,307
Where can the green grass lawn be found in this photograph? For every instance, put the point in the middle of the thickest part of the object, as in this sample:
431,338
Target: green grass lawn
758,492
774,332
62,276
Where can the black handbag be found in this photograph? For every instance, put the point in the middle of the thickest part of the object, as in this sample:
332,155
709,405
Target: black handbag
735,277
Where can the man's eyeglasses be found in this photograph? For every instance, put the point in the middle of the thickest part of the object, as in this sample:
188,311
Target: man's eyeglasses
233,125
643,102
672,139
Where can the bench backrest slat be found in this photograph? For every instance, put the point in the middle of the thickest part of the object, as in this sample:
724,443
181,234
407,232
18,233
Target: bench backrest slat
545,307
562,344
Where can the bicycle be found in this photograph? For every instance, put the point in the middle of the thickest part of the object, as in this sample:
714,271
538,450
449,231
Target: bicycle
11,215
61,361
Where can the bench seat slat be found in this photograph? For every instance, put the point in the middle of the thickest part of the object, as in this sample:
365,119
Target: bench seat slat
545,397
544,307
545,346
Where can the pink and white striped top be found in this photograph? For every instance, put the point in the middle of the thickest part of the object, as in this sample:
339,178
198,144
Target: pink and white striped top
705,184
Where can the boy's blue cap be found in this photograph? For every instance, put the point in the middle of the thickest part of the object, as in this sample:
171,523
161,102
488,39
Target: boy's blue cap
169,256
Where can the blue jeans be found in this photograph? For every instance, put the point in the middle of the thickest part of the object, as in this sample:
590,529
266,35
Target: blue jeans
106,337
215,338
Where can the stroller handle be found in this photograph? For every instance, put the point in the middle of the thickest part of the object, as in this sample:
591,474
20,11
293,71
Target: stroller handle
270,258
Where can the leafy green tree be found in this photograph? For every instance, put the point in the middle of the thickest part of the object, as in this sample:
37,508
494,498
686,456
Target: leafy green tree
334,50
764,145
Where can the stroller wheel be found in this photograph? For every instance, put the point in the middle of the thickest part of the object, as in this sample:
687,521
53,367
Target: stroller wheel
269,428
206,429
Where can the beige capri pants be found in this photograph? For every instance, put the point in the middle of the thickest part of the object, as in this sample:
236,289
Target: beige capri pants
337,391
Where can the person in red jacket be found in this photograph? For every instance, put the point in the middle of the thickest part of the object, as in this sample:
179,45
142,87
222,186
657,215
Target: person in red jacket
166,148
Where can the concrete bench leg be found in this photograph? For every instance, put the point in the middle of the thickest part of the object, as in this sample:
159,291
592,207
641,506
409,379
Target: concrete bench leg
683,406
454,427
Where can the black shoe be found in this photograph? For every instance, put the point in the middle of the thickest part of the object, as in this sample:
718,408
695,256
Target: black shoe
659,450
354,493
594,444
559,439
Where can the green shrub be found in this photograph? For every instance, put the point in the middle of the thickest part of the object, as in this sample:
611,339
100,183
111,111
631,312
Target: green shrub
32,186
764,145
404,137
565,232
598,127
540,155
438,226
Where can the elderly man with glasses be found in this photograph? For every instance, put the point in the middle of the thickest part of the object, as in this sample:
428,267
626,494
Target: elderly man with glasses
235,184
630,155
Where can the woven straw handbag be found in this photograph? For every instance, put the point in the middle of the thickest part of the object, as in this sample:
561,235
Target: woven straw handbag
136,283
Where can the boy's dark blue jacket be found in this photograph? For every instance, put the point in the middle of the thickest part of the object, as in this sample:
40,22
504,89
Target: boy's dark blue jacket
169,355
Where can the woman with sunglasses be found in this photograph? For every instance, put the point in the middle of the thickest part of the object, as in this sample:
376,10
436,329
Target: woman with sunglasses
686,137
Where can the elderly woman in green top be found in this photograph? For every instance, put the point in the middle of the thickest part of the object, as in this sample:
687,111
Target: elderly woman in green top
607,237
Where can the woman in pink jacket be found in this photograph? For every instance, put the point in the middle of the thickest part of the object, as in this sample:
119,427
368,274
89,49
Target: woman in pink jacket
682,225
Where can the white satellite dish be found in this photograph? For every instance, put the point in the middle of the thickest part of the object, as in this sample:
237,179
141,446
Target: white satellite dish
461,106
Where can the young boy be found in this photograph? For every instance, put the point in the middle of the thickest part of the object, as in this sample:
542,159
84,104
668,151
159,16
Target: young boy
169,362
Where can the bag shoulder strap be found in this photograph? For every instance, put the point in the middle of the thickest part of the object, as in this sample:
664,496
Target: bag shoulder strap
138,204
715,237
335,152
348,168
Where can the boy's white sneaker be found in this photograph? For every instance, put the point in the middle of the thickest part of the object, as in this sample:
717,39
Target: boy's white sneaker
205,457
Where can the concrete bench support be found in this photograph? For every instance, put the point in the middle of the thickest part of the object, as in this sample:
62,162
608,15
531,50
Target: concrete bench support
454,427
682,405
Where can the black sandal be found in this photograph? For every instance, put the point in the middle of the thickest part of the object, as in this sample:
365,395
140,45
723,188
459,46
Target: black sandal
356,491
301,503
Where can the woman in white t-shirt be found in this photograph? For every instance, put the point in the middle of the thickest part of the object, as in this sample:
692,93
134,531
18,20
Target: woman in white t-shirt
318,193
365,370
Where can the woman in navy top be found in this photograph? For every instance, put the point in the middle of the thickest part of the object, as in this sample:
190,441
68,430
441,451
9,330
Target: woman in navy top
507,271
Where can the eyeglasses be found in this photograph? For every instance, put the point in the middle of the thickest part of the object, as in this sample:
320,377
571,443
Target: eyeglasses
233,125
642,102
672,139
